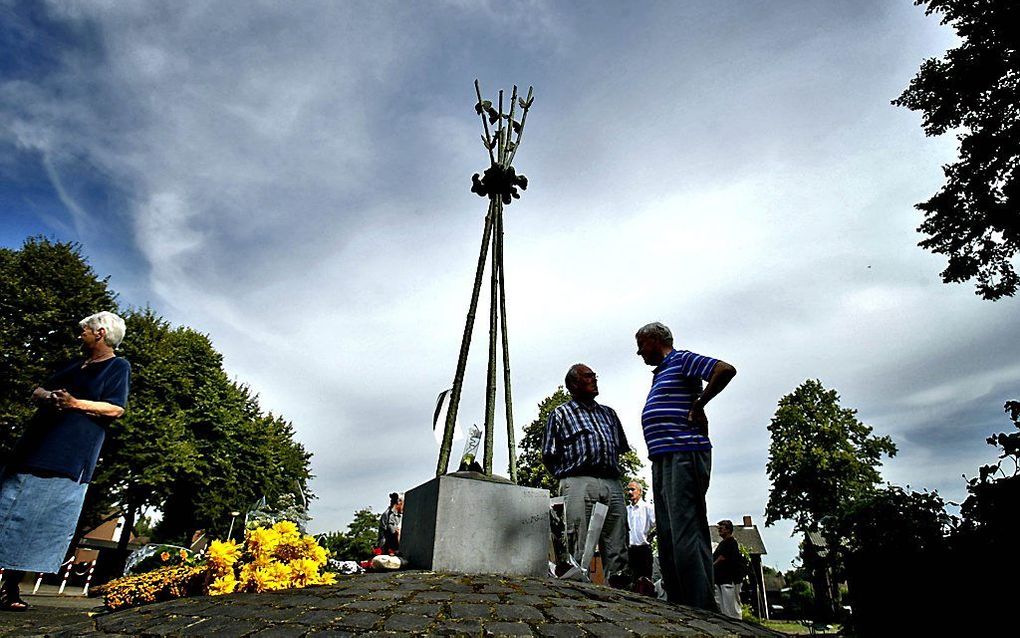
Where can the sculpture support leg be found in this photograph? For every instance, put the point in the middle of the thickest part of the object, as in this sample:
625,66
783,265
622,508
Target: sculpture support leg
508,403
490,382
465,344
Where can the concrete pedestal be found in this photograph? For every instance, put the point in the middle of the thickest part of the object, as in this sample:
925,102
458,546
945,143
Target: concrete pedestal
458,524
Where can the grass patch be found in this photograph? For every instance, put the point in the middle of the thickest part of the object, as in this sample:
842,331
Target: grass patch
795,628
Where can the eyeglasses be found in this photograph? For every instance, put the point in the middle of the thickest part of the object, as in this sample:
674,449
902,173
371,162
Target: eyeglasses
631,489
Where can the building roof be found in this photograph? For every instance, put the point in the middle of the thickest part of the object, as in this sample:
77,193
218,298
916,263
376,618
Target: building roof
773,582
816,539
817,542
99,543
747,537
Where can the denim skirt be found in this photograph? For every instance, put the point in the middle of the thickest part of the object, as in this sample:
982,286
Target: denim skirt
38,517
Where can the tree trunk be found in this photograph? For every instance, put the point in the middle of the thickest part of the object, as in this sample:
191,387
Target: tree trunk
121,555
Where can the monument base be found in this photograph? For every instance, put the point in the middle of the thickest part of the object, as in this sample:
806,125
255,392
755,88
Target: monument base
476,526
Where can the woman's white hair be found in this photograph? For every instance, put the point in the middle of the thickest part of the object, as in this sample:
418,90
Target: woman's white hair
114,326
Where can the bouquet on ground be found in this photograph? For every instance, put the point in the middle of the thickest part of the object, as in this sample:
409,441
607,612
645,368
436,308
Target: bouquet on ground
276,557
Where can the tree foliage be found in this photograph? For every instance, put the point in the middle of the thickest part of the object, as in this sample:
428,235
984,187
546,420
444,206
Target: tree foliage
892,547
888,525
530,470
900,550
989,511
821,457
357,541
193,443
974,89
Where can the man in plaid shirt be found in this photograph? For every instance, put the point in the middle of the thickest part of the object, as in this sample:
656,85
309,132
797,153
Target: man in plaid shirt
582,445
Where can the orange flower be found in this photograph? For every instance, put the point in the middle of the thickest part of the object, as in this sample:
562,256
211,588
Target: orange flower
165,556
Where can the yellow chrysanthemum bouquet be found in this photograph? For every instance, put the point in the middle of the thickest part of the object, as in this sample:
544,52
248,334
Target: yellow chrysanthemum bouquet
277,557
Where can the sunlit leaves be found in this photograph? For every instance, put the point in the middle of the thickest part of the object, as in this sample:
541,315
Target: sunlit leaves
821,457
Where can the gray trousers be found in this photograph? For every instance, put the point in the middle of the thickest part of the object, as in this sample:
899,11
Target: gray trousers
580,493
680,482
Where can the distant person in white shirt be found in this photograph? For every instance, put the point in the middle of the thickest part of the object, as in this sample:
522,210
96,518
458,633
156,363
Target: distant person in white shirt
641,520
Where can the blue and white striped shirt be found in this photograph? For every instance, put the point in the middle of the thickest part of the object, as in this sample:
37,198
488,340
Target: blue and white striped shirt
583,440
675,387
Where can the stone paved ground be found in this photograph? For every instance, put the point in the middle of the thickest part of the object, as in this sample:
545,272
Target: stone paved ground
48,610
409,603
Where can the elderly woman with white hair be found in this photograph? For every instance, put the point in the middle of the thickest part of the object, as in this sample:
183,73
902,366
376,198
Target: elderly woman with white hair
43,483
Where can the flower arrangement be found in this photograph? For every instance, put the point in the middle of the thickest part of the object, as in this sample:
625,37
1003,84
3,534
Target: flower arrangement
276,557
164,583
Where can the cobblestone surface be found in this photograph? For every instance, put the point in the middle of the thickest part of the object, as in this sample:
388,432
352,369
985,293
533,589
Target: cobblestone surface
407,603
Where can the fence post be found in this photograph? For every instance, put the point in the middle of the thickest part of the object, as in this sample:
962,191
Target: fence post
67,574
88,579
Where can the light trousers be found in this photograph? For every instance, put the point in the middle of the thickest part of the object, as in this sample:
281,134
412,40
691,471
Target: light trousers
580,493
728,598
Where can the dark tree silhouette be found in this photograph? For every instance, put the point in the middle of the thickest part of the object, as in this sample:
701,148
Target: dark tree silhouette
974,91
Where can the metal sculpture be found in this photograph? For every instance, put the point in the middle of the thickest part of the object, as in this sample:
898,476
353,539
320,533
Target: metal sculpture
499,183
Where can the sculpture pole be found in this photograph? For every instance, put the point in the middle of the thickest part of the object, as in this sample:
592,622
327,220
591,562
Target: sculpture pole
499,184
465,345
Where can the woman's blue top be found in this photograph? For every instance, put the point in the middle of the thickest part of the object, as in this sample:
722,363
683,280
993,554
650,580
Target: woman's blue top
67,442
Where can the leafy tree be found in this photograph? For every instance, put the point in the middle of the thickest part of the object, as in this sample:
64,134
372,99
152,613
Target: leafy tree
821,457
242,454
799,598
530,470
358,540
975,90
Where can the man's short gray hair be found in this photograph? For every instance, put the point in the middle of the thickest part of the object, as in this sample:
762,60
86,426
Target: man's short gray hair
114,326
656,331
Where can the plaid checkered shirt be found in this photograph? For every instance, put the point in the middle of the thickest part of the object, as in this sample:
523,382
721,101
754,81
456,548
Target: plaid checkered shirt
583,440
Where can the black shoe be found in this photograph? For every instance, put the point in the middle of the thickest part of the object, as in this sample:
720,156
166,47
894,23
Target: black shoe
10,599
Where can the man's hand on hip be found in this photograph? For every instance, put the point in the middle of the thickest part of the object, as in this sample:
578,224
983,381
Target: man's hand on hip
697,417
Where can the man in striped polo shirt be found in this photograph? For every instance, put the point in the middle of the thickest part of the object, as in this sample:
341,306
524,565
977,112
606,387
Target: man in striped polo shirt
676,432
581,447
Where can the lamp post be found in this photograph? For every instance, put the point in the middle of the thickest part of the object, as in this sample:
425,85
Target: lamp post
233,515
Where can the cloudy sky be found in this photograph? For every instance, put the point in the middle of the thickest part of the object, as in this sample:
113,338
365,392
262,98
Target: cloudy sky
293,179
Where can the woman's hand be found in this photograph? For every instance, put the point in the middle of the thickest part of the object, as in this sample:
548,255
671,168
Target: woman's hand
63,400
42,396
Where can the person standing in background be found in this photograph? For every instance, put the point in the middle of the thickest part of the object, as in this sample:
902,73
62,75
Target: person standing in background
641,521
389,525
729,571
